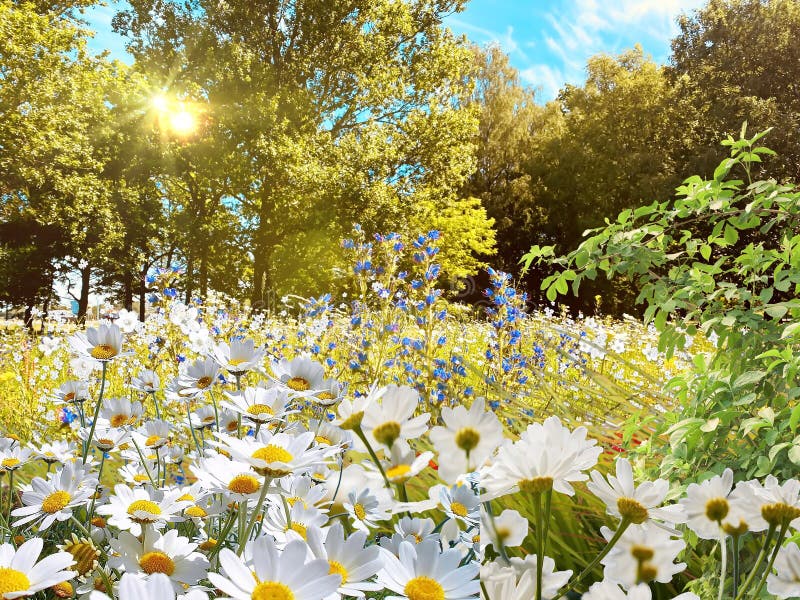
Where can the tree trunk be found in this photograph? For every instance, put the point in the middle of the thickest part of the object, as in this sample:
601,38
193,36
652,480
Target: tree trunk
189,275
204,273
83,301
28,318
142,293
45,312
127,282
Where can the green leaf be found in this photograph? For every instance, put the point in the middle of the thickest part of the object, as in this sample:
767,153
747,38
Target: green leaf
748,378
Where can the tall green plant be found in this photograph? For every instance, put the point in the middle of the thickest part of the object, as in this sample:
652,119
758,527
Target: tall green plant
722,258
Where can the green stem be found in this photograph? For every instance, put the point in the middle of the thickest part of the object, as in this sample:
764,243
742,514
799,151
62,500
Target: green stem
216,411
96,413
624,524
537,511
155,401
723,549
194,435
144,463
363,438
768,570
254,518
735,548
761,555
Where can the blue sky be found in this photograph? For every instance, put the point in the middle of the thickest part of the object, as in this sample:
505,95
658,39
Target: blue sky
548,41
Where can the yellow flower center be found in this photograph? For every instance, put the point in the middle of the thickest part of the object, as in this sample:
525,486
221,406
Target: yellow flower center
272,454
244,484
358,509
353,421
157,562
154,440
387,433
105,444
260,409
398,471
294,500
10,463
12,580
196,511
633,510
299,384
204,382
85,555
717,509
338,569
321,439
458,509
537,485
271,590
299,528
235,362
103,352
209,544
119,420
424,588
325,396
140,478
143,506
232,426
98,522
56,501
467,438
69,397
186,498
63,589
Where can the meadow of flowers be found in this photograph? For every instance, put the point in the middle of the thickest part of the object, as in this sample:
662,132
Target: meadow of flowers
386,444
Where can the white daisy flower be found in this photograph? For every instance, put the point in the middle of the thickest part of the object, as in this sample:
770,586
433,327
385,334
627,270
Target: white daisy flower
129,509
273,455
416,530
146,381
170,554
329,393
644,553
552,580
21,574
57,451
258,404
780,501
347,557
238,357
422,572
153,434
273,575
203,417
301,374
785,581
392,417
128,321
461,503
607,590
118,412
235,479
301,518
547,456
199,376
72,392
624,500
467,439
106,439
14,458
365,509
404,462
508,529
103,343
155,587
706,505
54,499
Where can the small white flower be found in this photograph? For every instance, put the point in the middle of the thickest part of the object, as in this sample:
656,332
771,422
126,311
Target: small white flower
24,574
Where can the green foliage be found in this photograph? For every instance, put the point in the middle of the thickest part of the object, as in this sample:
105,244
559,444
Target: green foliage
740,403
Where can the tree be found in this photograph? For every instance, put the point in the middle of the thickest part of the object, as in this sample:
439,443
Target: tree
53,103
329,113
610,146
510,126
739,60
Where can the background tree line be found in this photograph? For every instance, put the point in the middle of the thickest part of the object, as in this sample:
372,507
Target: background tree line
308,119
